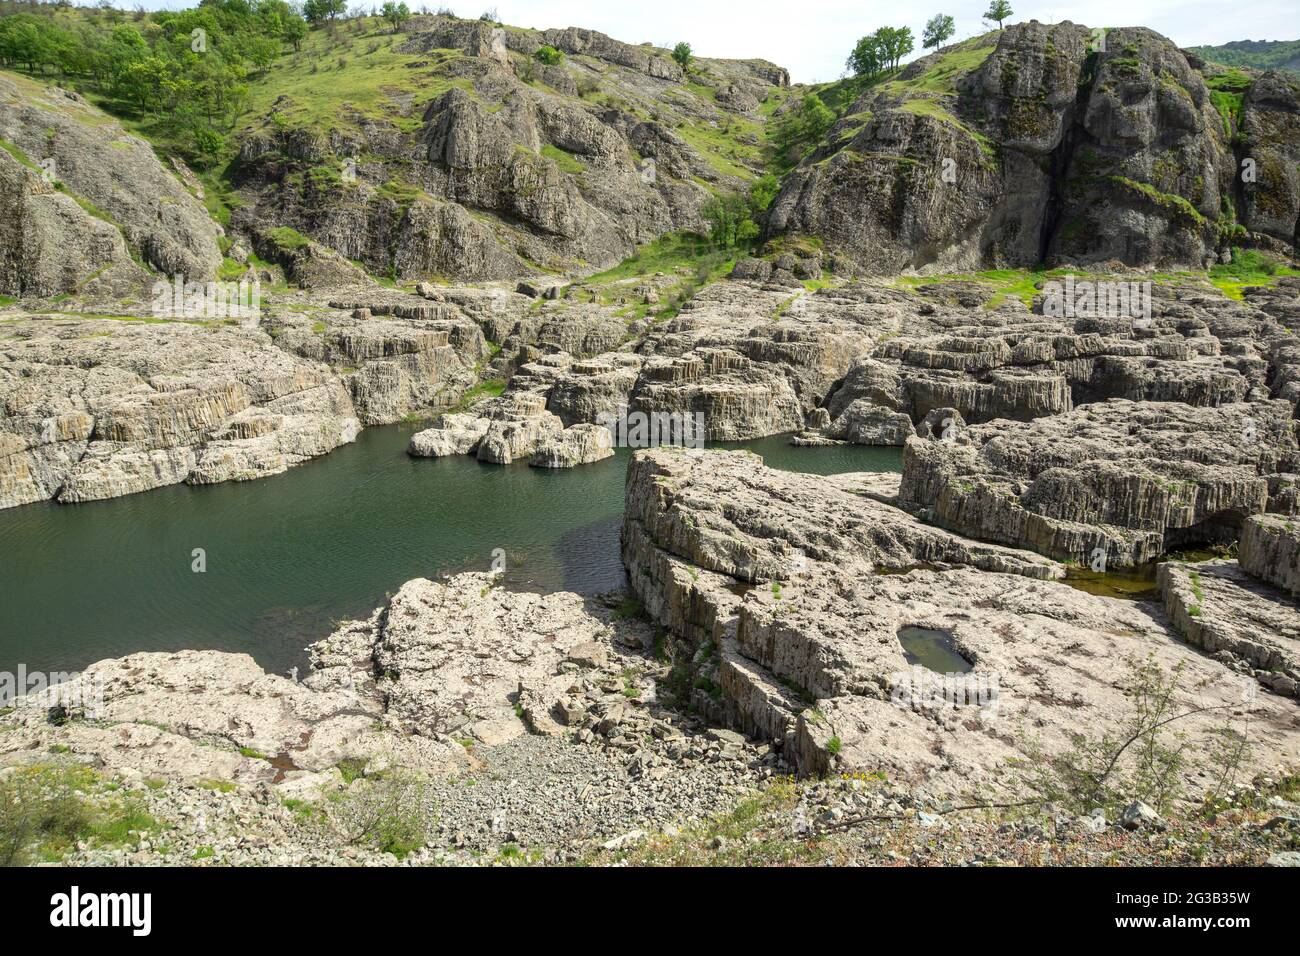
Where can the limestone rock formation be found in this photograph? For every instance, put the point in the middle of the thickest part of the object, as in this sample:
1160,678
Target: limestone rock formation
1044,142
512,167
50,246
1270,130
451,660
112,172
1270,550
578,445
795,590
1114,483
402,356
207,716
98,408
452,434
1217,606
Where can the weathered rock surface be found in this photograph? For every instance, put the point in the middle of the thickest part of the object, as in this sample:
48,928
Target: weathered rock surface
98,408
50,246
1270,133
578,445
404,356
517,167
741,360
1038,142
207,715
804,648
452,434
1270,551
1120,481
960,349
464,658
115,172
1215,605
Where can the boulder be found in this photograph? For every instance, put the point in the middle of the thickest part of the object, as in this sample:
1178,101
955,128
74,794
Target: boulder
452,434
1270,551
577,445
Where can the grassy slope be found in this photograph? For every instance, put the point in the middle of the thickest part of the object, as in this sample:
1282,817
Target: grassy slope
357,71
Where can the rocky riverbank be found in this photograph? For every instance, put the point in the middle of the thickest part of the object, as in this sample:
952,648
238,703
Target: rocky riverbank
462,719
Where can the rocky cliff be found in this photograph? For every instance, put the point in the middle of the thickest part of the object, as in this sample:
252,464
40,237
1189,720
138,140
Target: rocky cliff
1051,143
453,152
496,165
131,206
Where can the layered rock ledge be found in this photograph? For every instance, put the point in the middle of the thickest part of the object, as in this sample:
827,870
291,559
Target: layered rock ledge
1115,482
795,589
94,409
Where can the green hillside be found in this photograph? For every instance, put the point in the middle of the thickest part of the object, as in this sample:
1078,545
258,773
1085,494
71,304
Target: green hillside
1254,54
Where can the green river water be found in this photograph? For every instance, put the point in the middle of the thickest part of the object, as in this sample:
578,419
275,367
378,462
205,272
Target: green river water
288,556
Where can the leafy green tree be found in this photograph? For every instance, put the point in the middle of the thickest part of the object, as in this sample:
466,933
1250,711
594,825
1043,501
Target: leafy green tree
683,54
896,43
318,11
294,31
866,58
880,51
144,82
815,117
208,144
998,10
762,192
22,41
729,221
281,20
940,27
396,14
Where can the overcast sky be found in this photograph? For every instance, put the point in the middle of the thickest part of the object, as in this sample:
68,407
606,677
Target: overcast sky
812,39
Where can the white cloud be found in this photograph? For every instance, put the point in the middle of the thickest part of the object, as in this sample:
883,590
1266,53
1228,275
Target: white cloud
812,39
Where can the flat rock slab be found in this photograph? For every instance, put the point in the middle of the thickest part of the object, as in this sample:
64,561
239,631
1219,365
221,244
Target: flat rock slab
1217,606
213,716
468,660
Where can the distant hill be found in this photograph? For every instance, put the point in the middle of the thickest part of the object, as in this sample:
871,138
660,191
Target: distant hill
1257,54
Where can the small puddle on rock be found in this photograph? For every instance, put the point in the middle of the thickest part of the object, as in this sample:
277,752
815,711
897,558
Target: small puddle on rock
932,650
1135,585
283,763
738,587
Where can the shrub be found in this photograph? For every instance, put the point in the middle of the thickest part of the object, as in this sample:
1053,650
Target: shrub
391,813
549,55
1143,761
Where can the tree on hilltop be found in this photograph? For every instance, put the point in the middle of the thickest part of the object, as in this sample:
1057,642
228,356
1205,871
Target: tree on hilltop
998,10
939,28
